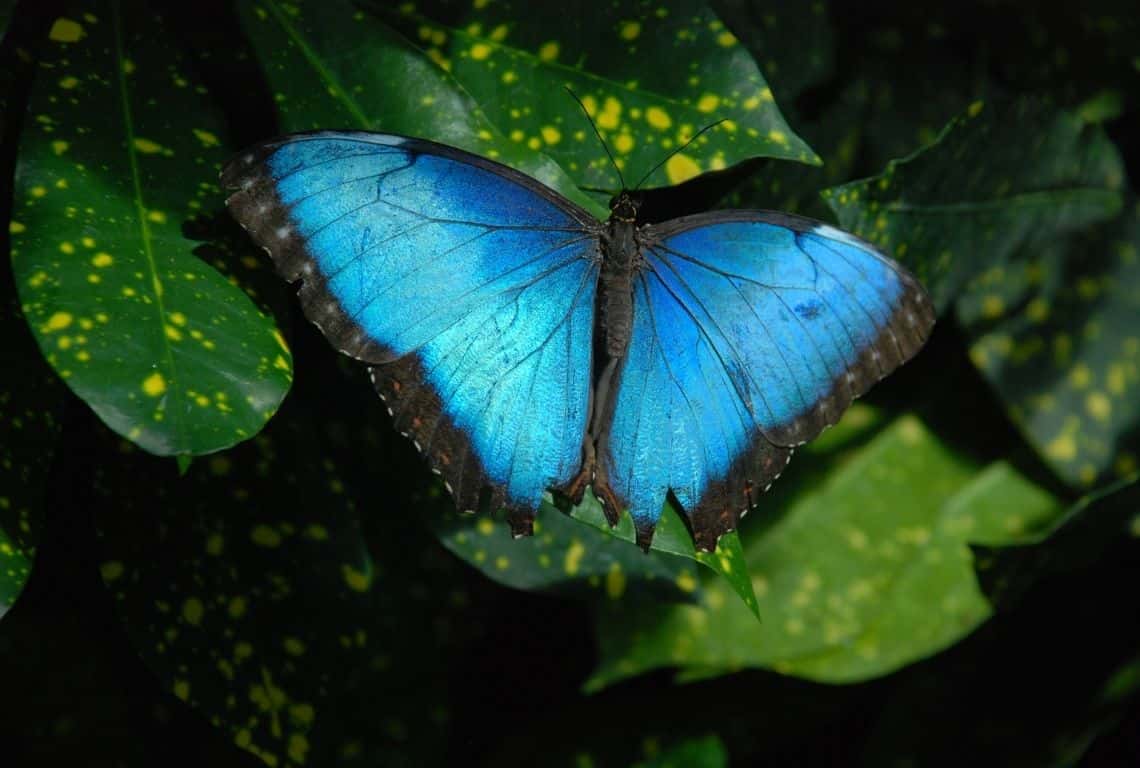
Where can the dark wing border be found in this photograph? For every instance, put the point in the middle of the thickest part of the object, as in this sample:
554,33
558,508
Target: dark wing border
416,409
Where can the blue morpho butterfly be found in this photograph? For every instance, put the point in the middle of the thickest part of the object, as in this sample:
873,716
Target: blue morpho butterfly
526,346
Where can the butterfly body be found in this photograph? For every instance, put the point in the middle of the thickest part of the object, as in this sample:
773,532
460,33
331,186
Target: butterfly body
525,346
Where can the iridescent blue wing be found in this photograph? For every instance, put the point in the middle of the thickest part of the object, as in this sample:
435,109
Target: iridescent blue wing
468,286
752,333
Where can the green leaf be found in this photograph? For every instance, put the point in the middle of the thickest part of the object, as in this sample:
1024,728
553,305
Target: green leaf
1056,336
649,77
866,569
673,537
702,752
997,179
30,405
248,588
562,556
119,150
330,65
1091,527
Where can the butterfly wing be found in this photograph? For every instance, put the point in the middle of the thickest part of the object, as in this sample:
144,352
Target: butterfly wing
752,333
469,288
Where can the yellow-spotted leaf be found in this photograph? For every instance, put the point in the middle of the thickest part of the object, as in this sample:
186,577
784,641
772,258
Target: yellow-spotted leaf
563,557
867,569
1000,177
331,65
1057,334
248,586
650,76
119,149
31,400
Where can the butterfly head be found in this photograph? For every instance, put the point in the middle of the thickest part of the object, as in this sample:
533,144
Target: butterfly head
623,207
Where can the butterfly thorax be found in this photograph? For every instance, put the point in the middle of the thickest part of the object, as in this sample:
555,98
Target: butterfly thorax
620,254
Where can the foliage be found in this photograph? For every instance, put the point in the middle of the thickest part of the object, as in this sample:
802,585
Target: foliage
296,589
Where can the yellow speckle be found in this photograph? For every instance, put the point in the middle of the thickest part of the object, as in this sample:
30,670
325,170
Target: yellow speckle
38,191
551,135
623,143
499,33
975,108
182,689
680,167
509,76
147,147
298,748
111,570
128,66
1037,310
726,39
66,31
485,526
610,115
177,318
215,544
192,611
67,248
265,536
59,147
208,139
236,607
280,363
573,557
358,581
794,626
548,51
502,563
686,582
276,335
68,83
438,37
1080,376
242,651
158,217
480,51
629,30
856,539
154,385
15,227
1098,405
57,322
779,137
534,142
658,118
293,646
1063,448
1115,379
708,102
615,581
83,355
517,134
992,307
172,333
94,278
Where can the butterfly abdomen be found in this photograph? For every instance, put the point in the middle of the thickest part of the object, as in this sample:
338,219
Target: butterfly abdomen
615,295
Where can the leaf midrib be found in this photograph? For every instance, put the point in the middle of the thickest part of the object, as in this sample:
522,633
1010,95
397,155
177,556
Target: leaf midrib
144,227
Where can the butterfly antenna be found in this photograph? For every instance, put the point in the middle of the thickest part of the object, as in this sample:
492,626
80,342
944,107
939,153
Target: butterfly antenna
599,135
694,137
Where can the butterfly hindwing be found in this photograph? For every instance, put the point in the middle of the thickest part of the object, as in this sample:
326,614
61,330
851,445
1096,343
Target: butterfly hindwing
467,286
752,333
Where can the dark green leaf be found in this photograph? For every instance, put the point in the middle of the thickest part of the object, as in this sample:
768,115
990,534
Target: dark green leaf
30,404
847,577
673,537
248,588
999,177
562,556
1056,335
332,66
119,149
704,752
649,77
1094,525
